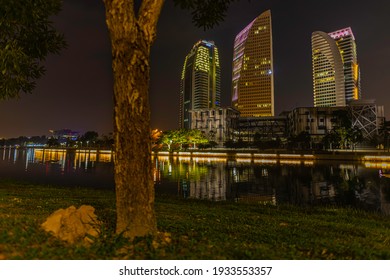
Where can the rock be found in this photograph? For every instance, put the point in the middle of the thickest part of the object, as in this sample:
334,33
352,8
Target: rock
73,225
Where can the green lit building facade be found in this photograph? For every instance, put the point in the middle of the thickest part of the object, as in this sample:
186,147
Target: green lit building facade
200,86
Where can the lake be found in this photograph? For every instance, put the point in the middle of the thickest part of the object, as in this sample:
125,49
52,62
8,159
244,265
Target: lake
265,181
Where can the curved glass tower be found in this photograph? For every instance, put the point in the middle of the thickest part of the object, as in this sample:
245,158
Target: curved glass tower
345,41
253,78
328,72
336,74
200,86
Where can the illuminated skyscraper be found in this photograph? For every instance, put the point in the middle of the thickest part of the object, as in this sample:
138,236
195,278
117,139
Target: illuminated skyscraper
253,78
346,44
336,73
200,86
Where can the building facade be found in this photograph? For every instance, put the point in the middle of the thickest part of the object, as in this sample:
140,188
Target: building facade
218,124
345,41
64,135
367,117
316,121
336,73
200,86
266,128
362,114
253,73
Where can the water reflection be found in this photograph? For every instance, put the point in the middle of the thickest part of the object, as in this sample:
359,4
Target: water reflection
287,180
299,182
58,166
75,159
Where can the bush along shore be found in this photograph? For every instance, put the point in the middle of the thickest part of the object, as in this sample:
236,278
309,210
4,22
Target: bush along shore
190,229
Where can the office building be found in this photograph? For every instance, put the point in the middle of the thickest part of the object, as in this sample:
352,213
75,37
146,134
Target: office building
253,75
346,44
336,73
363,114
200,86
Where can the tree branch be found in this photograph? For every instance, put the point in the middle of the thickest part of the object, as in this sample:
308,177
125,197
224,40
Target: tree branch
148,16
122,12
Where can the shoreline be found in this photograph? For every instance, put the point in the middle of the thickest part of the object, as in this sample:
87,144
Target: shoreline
337,155
361,155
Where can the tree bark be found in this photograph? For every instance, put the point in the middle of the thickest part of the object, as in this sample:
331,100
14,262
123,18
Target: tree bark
131,39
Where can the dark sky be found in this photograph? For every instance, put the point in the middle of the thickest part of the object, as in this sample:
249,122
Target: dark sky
76,91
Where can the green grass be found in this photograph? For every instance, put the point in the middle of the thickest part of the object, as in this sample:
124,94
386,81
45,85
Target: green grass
198,229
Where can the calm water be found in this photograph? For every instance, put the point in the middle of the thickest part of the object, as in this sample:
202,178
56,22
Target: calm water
59,167
263,181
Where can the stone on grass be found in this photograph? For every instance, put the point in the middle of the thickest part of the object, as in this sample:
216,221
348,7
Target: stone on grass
73,225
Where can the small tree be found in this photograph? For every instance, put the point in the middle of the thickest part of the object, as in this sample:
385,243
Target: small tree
195,137
167,138
52,142
344,137
355,136
212,144
89,138
332,139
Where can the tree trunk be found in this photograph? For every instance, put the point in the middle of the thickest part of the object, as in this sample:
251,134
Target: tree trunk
131,40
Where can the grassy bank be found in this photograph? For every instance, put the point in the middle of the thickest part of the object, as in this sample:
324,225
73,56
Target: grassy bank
197,229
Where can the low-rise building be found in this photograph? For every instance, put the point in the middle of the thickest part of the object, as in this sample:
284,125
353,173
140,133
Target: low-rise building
218,124
223,124
367,116
266,128
316,121
65,135
362,114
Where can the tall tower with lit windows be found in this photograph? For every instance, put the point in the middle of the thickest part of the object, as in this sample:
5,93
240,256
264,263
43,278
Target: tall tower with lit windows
253,75
336,73
200,86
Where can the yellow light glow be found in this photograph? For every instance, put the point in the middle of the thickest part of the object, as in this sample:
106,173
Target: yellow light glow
184,68
289,156
355,93
243,155
105,157
216,57
209,159
184,158
290,161
377,165
209,154
376,158
184,153
244,160
308,156
202,59
356,71
163,158
266,161
265,155
45,155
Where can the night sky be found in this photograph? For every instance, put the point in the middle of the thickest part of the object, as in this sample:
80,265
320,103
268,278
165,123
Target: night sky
76,92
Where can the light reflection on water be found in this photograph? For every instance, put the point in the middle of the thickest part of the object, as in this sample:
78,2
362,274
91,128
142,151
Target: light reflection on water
92,168
299,182
272,181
